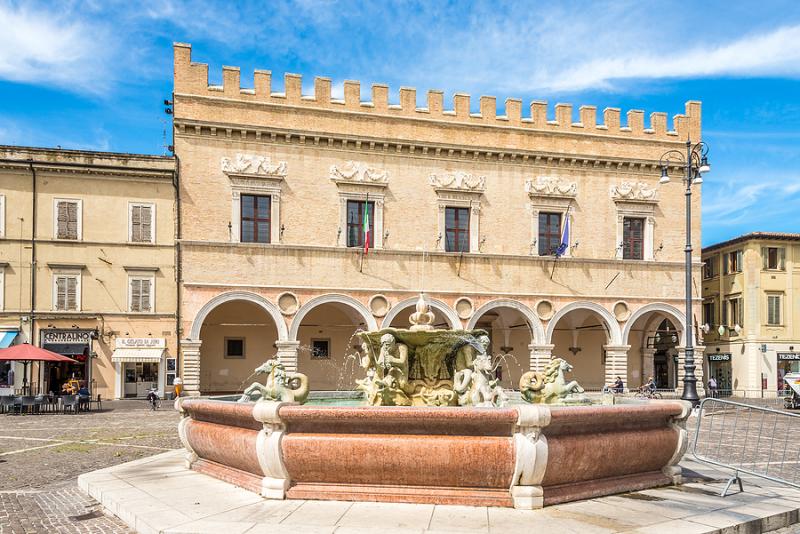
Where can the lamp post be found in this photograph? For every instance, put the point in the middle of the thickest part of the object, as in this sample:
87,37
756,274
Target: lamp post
695,161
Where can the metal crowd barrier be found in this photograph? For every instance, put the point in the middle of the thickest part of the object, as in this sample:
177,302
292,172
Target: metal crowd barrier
753,440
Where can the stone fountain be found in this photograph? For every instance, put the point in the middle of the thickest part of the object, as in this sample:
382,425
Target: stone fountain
422,366
435,428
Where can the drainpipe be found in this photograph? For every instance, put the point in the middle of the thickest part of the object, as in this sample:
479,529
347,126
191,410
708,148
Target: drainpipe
178,265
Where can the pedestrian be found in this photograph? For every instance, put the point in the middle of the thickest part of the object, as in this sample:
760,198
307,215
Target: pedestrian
712,387
619,385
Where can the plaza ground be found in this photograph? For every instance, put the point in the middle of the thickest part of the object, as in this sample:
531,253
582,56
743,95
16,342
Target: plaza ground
42,455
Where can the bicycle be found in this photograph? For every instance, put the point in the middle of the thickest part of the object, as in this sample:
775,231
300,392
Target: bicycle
647,393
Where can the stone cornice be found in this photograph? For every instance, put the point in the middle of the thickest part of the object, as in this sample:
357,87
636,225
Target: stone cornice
548,260
89,171
412,148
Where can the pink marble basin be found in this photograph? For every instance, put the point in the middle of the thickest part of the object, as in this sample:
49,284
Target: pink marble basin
524,456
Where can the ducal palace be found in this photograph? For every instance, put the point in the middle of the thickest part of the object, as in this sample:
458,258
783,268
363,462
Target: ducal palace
544,226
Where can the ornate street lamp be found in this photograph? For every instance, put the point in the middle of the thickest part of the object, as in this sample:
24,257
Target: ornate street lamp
695,161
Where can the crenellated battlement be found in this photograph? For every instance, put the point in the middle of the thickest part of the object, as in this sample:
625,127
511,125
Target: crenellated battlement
192,79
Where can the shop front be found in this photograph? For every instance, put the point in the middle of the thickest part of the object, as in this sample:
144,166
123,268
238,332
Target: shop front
719,367
74,343
140,366
788,362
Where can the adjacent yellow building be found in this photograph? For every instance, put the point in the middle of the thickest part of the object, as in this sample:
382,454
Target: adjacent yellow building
87,267
751,307
467,202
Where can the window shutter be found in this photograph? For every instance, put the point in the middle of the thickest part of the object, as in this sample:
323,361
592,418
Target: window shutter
145,306
72,223
72,293
774,309
781,258
136,295
61,293
739,261
146,224
725,304
764,258
63,219
136,223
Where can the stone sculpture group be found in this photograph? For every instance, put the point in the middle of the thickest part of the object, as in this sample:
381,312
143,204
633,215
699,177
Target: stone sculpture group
423,366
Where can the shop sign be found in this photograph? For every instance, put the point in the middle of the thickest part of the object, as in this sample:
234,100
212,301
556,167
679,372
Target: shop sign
719,357
58,337
788,356
141,343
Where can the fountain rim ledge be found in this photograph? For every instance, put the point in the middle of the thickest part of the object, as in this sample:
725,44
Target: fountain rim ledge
272,451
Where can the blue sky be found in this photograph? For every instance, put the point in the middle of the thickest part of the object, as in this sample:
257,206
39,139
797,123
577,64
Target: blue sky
93,75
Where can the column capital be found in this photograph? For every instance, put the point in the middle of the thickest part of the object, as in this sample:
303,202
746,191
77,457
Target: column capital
541,347
287,345
617,348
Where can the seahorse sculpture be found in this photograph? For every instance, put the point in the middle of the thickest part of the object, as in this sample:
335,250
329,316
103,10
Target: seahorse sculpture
551,387
281,385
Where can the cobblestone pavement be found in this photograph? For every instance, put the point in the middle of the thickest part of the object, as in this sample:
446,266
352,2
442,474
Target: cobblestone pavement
42,455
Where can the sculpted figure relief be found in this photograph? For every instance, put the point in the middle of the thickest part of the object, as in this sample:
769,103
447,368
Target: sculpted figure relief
634,191
281,385
387,375
551,387
252,164
465,356
393,362
477,387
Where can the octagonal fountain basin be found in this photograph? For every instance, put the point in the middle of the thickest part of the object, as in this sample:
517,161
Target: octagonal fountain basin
523,456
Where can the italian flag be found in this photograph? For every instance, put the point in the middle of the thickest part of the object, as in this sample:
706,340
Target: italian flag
366,225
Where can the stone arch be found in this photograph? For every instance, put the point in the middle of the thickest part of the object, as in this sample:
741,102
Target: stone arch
614,333
672,313
437,305
222,298
335,298
537,330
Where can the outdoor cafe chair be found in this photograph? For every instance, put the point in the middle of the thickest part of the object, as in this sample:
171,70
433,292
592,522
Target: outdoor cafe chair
28,403
98,400
71,402
40,401
8,403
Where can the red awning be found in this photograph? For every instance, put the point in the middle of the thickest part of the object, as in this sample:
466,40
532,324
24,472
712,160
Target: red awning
26,352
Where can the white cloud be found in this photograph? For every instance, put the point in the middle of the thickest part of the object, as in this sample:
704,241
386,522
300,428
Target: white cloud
44,46
769,54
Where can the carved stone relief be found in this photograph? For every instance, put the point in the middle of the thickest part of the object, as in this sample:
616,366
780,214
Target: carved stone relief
358,172
551,186
253,165
634,191
458,181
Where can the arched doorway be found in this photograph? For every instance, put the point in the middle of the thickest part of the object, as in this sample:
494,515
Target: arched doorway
329,349
512,328
237,336
579,333
654,333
